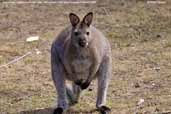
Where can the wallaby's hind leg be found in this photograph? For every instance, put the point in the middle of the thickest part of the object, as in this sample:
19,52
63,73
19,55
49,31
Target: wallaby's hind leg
73,93
103,82
59,81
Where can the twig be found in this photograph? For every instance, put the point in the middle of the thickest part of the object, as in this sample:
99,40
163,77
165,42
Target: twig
15,60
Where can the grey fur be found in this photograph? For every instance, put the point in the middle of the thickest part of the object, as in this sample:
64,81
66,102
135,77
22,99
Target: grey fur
72,62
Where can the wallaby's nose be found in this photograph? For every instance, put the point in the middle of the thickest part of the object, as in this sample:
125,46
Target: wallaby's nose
82,42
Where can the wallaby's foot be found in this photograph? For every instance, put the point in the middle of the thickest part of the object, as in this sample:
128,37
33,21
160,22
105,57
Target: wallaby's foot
58,111
104,110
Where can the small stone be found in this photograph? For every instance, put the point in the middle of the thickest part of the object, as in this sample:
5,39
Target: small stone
90,89
37,51
32,38
137,85
158,36
157,68
141,101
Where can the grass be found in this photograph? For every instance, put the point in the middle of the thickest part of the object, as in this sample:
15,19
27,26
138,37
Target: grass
140,41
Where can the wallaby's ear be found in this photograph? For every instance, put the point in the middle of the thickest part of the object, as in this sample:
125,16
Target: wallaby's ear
74,19
88,18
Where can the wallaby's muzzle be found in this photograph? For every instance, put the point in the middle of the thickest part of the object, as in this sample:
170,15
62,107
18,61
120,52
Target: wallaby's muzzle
82,42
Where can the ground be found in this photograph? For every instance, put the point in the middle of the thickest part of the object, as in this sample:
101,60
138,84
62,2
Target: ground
139,34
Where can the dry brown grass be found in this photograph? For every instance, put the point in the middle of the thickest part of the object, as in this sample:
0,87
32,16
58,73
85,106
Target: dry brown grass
141,42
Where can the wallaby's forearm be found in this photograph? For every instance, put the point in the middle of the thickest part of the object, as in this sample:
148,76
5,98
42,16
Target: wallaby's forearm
96,64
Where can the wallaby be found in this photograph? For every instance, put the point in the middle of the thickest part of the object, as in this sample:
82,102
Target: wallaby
80,54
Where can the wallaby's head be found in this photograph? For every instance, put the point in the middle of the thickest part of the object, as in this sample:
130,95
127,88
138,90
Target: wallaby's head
80,35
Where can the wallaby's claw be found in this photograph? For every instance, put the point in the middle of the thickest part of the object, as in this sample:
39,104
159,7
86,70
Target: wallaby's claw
85,85
58,111
104,110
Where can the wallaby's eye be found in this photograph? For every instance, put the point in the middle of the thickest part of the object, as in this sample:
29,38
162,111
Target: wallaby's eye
76,33
87,33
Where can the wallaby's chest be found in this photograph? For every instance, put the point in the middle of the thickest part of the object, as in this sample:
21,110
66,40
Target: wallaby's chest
80,64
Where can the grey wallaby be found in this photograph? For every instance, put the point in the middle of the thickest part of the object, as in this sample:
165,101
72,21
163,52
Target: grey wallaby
80,54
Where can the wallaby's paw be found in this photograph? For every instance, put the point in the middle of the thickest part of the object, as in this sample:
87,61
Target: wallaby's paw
78,82
58,111
85,85
104,110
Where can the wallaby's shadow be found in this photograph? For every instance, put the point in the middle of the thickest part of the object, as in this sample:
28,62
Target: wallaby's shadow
50,111
38,111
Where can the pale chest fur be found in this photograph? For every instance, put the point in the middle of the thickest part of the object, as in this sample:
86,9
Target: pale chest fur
79,64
